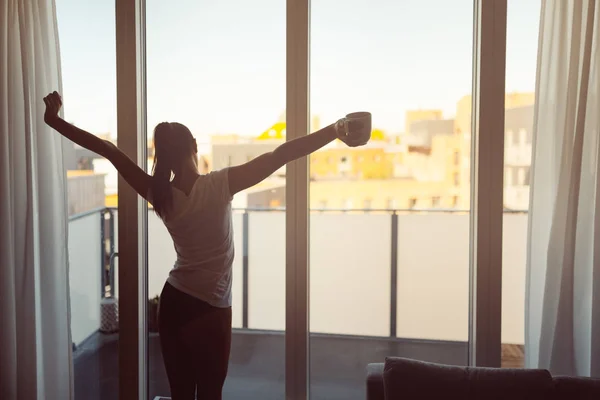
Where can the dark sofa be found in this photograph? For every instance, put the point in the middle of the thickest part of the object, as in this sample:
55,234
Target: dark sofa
405,379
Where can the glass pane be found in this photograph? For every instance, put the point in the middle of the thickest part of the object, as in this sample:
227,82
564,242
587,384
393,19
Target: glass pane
87,44
521,63
219,69
389,246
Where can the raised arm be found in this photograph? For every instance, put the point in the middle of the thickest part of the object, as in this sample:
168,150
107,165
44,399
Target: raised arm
249,174
133,175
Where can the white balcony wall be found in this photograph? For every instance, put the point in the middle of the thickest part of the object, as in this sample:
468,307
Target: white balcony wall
433,276
514,258
350,267
350,273
85,273
266,270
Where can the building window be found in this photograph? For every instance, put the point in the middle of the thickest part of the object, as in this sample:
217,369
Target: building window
507,177
456,158
391,204
323,204
522,136
521,176
347,204
367,204
412,203
456,179
509,138
454,201
435,201
344,160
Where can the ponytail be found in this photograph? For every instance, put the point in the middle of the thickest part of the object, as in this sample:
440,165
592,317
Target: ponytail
172,144
162,195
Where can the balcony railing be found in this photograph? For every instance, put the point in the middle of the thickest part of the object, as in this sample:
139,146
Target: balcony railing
373,273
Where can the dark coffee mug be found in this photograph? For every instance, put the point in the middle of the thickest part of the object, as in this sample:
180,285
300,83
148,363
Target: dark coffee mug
357,127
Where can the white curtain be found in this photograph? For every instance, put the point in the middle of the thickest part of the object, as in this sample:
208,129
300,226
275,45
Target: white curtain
563,277
35,343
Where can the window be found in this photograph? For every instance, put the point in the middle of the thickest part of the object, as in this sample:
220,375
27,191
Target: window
435,201
347,204
456,158
522,136
521,176
88,49
225,64
390,204
323,204
507,176
454,201
263,75
509,138
395,104
521,63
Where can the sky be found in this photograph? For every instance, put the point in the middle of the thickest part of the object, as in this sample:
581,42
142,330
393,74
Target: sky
218,66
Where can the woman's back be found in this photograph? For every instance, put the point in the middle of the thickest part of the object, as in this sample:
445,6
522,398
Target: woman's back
201,228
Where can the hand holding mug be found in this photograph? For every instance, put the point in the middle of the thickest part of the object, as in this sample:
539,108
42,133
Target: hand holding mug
354,129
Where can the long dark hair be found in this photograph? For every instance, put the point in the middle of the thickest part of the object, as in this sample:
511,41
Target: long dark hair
172,145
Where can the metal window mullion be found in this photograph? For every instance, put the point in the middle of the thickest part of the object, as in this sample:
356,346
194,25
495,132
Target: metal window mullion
297,216
132,221
487,183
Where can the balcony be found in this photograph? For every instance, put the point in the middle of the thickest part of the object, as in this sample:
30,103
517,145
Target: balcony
382,283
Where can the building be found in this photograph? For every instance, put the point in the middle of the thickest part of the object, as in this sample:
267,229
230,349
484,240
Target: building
422,132
362,195
517,156
376,177
517,121
412,116
372,161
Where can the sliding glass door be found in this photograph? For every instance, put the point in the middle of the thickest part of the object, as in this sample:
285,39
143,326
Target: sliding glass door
87,44
389,222
402,237
521,62
219,69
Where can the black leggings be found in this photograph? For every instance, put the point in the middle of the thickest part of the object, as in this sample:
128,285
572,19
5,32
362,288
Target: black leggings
195,339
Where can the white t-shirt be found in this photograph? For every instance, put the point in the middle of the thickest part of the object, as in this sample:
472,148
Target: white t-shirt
201,228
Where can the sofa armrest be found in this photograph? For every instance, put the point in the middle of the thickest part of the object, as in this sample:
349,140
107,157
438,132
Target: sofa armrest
375,382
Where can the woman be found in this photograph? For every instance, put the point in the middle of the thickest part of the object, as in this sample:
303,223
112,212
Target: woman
195,304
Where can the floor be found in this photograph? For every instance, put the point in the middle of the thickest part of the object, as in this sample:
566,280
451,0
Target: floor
257,365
